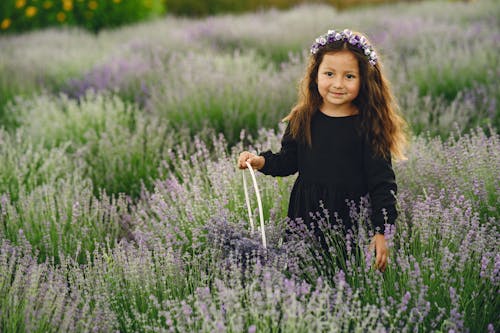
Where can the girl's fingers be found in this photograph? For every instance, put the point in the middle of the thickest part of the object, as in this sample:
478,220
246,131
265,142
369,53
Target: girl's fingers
251,161
247,159
256,162
381,261
243,158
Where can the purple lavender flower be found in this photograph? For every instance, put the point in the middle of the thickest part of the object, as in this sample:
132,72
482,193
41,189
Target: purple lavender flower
405,301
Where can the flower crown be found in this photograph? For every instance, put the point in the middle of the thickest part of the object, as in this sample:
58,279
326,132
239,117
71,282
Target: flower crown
349,37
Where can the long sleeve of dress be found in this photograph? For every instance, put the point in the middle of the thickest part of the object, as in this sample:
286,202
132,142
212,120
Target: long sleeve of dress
382,188
283,163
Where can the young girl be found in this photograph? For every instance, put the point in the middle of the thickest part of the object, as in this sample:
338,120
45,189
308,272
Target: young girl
341,136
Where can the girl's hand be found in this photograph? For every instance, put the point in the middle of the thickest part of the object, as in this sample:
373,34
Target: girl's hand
257,162
382,252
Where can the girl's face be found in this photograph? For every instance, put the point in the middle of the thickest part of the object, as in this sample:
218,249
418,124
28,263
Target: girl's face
338,82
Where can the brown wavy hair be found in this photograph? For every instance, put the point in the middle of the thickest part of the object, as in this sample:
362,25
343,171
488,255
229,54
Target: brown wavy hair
380,120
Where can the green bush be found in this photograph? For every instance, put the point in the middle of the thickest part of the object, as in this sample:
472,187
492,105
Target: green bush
22,15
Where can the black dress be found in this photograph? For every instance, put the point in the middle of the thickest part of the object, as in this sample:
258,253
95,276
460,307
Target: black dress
338,167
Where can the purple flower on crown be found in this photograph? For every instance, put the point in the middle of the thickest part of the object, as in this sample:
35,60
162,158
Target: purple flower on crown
351,38
314,49
321,40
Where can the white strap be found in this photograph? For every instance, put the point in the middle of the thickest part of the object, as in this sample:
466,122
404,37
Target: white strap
259,202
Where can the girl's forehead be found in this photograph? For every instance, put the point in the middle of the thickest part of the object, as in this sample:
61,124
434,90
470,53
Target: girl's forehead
340,58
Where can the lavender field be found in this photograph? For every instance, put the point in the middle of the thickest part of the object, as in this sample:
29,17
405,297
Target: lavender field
121,207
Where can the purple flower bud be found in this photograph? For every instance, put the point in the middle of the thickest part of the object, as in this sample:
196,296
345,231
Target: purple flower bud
321,40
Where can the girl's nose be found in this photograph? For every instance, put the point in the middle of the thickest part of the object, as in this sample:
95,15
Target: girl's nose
337,82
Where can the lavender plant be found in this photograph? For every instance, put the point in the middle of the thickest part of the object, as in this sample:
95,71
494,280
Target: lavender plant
26,164
463,163
234,92
42,61
197,183
36,297
115,145
125,76
55,121
63,218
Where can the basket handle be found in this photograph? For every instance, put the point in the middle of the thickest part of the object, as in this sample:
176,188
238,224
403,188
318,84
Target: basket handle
259,203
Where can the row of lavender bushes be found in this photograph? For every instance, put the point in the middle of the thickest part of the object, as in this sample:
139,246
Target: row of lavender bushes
113,216
75,261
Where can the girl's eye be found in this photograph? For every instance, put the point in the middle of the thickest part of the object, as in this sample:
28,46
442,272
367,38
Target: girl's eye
329,73
350,76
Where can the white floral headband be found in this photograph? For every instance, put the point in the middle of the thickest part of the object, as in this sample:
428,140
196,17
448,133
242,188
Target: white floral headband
347,36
